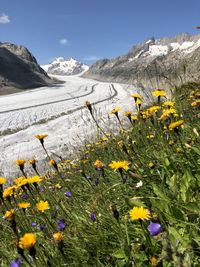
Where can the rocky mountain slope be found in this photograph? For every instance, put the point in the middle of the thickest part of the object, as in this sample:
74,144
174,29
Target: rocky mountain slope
19,69
60,66
155,63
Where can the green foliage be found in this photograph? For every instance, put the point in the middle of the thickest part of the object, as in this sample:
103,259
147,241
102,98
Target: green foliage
163,176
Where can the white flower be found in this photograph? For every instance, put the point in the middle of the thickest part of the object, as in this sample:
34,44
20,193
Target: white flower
139,184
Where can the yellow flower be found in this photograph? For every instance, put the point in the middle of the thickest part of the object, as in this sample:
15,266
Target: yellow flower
175,124
20,162
9,215
52,162
136,95
58,237
2,180
127,113
119,165
42,205
34,179
41,136
134,118
23,205
9,191
19,180
153,109
139,213
28,241
138,102
168,104
98,164
153,261
32,161
115,110
158,93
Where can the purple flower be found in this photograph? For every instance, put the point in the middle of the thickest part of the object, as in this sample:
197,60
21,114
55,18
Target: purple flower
92,217
42,226
15,263
25,196
154,228
33,224
68,194
61,225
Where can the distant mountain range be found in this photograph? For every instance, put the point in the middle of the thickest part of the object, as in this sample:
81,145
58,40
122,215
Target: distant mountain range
19,69
163,62
61,66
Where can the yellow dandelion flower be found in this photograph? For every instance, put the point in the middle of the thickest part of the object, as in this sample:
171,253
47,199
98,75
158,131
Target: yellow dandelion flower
34,179
159,93
115,110
136,95
2,180
28,241
41,136
119,165
58,237
128,113
98,164
153,109
42,205
32,161
19,180
134,118
9,215
153,261
52,162
20,162
24,205
9,191
138,102
175,124
139,213
168,104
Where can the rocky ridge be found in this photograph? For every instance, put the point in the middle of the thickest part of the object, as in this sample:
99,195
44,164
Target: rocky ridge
163,62
19,69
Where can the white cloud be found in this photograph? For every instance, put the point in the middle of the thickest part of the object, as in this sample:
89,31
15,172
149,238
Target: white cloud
4,18
64,41
91,58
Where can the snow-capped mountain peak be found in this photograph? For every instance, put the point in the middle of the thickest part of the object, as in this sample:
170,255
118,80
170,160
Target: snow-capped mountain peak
61,66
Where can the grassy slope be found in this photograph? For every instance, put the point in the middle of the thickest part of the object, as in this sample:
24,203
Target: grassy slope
167,163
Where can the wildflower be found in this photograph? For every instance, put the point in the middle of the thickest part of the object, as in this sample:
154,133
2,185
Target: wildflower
24,205
139,184
175,124
115,111
58,237
92,217
41,137
168,104
61,225
33,164
139,213
15,263
53,163
20,163
134,118
28,241
42,205
153,261
89,106
9,215
33,224
154,228
119,165
98,164
9,191
68,194
42,226
2,180
136,96
159,93
34,179
128,114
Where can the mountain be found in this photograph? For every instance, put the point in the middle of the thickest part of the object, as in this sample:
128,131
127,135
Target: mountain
163,62
60,66
19,69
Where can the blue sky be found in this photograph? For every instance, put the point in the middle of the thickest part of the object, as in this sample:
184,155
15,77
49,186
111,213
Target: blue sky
91,29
